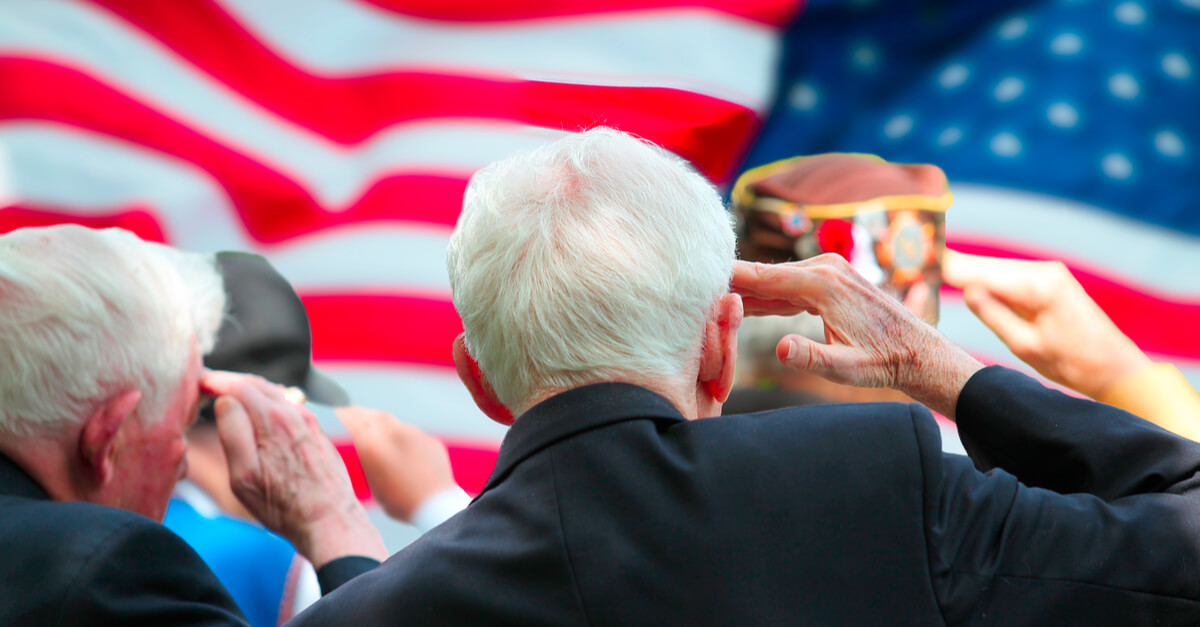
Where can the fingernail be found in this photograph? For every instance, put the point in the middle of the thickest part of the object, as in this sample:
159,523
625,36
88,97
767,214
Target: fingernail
793,349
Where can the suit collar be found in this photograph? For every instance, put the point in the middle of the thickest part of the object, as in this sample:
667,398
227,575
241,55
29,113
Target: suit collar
574,411
14,481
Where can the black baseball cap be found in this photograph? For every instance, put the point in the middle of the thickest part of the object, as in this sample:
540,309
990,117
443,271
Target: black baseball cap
266,330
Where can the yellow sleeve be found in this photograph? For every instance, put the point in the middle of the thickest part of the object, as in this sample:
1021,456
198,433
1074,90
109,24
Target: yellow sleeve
1161,395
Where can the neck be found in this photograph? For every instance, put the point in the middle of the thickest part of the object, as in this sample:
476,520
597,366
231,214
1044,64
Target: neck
692,402
47,461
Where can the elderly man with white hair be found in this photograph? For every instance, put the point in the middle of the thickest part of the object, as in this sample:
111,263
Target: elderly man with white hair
593,279
101,339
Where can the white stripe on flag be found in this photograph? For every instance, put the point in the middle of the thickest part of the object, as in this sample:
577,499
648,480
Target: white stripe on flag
78,170
1143,256
685,48
428,397
88,174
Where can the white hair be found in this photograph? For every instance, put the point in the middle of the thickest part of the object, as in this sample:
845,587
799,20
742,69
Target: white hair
85,314
598,257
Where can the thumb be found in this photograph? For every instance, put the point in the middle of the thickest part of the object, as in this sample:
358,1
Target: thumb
837,363
800,353
237,437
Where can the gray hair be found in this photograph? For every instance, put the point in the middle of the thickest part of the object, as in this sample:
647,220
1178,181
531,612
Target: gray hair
597,257
85,314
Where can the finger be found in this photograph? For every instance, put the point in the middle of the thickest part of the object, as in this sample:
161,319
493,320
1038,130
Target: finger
350,418
257,404
800,353
222,382
961,269
837,363
765,280
796,283
240,387
257,396
952,262
1018,334
218,382
1017,282
362,424
371,441
237,436
746,278
808,280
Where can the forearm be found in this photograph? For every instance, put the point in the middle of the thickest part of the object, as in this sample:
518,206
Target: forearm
1159,393
1000,547
937,374
1067,444
350,533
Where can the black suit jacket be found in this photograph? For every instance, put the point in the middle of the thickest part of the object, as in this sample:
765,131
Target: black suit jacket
75,564
79,564
606,507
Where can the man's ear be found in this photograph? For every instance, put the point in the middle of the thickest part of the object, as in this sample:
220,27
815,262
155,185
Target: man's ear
720,348
98,438
478,385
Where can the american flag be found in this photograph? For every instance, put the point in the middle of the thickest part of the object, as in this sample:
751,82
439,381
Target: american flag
1069,130
335,137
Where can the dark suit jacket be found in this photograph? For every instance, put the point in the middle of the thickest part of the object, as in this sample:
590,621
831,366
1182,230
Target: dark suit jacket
78,564
606,507
75,564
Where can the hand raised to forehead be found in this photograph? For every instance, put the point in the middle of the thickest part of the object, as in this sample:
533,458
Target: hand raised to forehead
287,472
871,340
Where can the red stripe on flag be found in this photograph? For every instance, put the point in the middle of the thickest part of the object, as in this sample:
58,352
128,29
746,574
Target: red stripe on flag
351,110
141,222
358,479
770,12
273,207
473,464
403,328
382,328
1153,322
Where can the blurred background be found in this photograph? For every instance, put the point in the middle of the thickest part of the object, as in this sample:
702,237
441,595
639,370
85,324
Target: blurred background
335,137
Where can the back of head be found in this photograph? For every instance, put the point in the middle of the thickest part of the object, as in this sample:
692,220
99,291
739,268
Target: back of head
595,258
85,314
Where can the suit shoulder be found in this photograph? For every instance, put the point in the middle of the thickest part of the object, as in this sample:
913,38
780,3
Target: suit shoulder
857,444
80,563
71,525
862,423
68,538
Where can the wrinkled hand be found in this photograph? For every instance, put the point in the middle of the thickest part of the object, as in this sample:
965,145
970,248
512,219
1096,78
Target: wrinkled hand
1046,319
404,466
871,339
285,470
